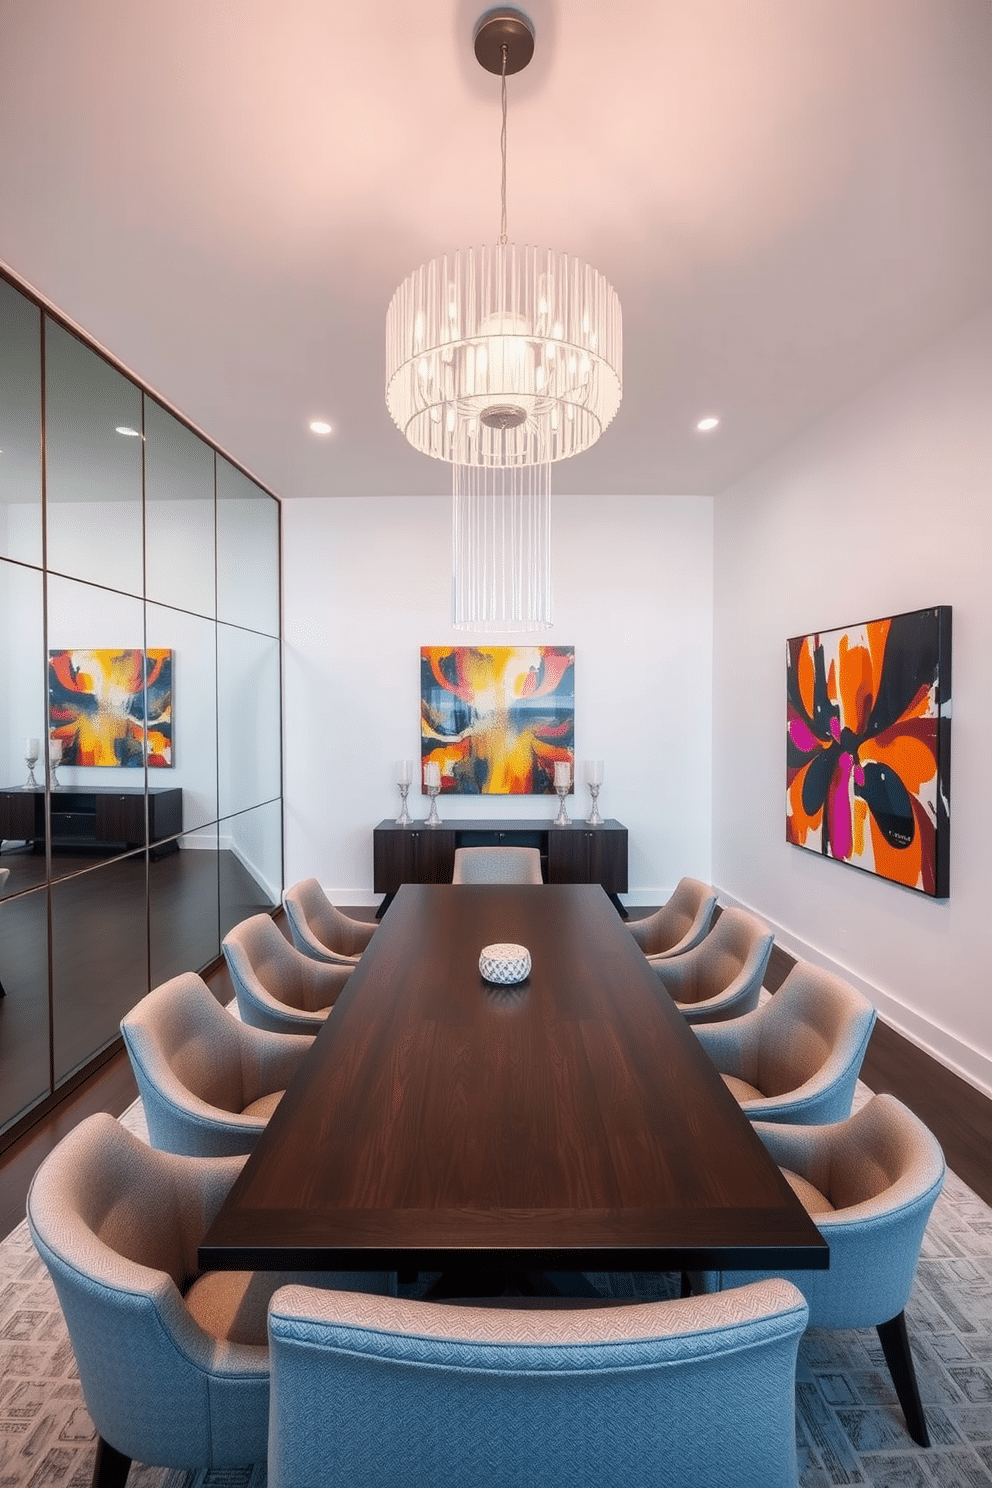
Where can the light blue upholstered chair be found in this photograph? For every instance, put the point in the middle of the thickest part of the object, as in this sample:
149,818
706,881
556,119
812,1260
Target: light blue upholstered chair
797,1057
721,976
870,1183
208,1082
174,1365
679,924
319,929
497,865
657,1395
277,986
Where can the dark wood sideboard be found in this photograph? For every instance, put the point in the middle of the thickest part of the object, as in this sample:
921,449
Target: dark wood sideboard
574,854
102,818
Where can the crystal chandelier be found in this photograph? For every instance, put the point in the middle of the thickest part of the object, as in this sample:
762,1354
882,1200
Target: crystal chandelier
502,361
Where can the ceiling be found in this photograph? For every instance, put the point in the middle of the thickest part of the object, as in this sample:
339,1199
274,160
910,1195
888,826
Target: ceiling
790,198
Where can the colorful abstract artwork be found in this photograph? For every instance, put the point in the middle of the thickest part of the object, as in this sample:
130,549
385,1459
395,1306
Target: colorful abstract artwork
111,707
496,719
868,746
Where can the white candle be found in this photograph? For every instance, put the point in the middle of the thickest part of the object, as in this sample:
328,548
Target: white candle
404,772
55,750
432,775
594,772
563,773
30,748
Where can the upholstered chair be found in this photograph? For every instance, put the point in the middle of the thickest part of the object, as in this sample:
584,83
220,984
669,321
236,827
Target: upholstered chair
174,1365
497,865
669,1393
678,925
797,1057
277,986
319,929
869,1183
721,976
208,1081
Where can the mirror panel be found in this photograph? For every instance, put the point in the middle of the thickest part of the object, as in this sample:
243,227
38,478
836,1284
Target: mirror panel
99,957
93,472
22,717
193,643
183,908
98,809
250,864
24,1022
247,552
179,514
20,427
248,719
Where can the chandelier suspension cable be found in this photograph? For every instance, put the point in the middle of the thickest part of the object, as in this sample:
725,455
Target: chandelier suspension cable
502,151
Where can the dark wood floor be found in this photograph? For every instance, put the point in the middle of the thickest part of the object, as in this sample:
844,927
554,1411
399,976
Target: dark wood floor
958,1115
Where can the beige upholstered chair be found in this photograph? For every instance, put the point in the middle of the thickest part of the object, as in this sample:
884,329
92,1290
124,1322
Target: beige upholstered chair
678,925
174,1364
662,1393
796,1058
321,931
208,1081
277,987
497,865
870,1183
721,976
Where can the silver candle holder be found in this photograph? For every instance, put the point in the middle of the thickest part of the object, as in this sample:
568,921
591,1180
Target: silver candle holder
404,775
594,779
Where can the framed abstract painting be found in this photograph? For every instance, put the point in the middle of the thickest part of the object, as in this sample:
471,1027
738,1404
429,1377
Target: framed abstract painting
497,719
868,742
111,707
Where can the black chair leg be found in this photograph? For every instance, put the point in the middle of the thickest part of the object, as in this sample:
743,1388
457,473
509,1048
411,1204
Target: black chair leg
111,1467
895,1346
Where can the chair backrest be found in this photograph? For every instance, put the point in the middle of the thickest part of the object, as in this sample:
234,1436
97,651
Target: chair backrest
736,950
4,875
320,929
680,923
497,865
117,1224
264,966
816,1027
181,1042
680,1393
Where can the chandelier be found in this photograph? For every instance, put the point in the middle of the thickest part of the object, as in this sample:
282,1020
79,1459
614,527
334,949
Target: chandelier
502,361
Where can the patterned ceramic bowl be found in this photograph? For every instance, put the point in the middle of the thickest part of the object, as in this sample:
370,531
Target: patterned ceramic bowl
504,964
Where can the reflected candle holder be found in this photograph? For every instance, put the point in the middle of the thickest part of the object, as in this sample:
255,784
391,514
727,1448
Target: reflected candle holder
54,760
31,753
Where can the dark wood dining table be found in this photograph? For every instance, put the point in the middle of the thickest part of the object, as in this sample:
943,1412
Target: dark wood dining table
568,1124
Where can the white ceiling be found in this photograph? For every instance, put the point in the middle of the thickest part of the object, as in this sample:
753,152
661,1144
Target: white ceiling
790,196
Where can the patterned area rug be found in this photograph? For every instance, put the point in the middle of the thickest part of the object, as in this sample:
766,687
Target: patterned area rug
849,1426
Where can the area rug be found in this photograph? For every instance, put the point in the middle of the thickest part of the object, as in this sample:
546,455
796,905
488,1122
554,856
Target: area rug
849,1426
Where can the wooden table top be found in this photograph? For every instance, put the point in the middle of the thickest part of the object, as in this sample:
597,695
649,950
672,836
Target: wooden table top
570,1123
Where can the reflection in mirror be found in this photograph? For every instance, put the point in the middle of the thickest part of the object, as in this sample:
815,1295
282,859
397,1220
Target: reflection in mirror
183,908
192,642
251,864
99,957
248,719
24,1031
179,514
22,728
93,465
247,552
20,426
99,807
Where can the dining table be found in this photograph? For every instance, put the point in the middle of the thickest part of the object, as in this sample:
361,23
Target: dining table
565,1124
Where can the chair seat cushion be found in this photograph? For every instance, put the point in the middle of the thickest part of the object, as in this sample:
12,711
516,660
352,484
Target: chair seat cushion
265,1104
812,1200
740,1089
234,1305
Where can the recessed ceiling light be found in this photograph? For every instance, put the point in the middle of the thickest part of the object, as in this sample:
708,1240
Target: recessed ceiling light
320,426
706,424
127,431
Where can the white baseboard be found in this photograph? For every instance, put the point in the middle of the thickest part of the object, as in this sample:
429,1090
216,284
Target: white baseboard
928,1035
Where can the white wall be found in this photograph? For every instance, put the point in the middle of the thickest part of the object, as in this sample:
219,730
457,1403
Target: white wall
367,583
884,508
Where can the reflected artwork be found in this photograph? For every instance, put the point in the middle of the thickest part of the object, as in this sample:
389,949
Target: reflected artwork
98,703
497,719
868,733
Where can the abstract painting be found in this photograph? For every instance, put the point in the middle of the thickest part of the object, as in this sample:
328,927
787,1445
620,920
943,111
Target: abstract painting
868,721
111,707
497,719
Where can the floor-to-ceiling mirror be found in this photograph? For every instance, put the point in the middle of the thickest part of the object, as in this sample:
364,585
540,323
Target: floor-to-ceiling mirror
140,691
